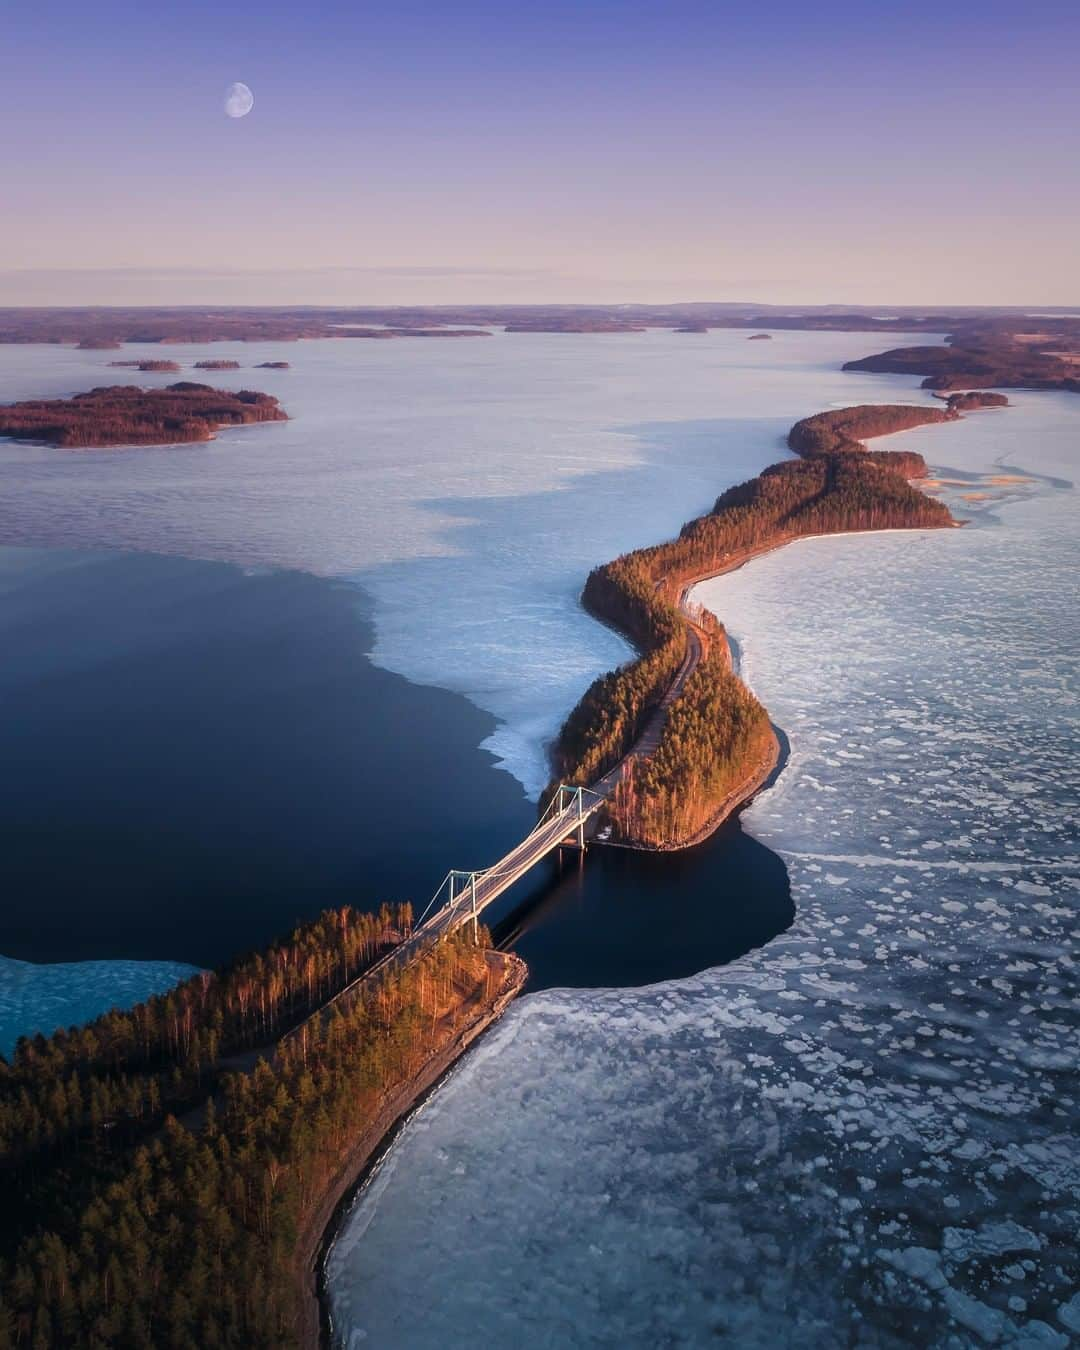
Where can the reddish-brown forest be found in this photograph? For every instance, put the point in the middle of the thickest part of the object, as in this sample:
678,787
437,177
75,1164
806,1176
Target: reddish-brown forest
716,732
131,1229
127,415
977,364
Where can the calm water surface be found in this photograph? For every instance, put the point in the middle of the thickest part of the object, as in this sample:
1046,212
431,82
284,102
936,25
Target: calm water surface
200,747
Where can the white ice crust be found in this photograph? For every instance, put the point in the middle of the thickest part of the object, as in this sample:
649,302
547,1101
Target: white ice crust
864,1133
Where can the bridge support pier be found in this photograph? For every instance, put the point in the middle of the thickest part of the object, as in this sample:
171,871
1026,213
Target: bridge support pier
475,918
569,798
470,879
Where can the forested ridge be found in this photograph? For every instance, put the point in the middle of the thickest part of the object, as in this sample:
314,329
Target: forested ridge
843,430
991,360
716,733
715,736
166,1234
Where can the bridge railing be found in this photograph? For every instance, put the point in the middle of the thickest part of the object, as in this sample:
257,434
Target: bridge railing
571,806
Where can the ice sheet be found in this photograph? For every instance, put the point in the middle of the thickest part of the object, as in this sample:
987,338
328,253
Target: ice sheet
864,1133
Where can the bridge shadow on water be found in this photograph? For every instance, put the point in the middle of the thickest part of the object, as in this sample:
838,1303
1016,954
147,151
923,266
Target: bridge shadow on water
618,917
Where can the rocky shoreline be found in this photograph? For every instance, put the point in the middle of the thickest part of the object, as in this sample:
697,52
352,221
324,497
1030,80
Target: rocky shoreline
321,1226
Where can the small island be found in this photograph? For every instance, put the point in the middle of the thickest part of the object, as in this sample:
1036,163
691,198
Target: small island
217,365
156,367
114,415
273,365
760,337
974,400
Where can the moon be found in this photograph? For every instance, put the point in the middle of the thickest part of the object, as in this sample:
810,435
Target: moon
239,100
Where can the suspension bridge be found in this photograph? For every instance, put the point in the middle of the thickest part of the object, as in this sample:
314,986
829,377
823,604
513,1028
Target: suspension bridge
463,896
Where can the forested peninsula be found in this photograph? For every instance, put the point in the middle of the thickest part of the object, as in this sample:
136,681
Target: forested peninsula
1001,361
166,1174
124,414
716,745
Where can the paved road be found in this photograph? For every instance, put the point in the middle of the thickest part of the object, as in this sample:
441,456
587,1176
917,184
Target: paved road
649,740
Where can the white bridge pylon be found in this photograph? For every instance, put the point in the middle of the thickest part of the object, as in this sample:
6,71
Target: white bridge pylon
462,896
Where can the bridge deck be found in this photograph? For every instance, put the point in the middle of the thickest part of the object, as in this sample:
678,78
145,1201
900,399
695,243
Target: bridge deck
493,881
490,884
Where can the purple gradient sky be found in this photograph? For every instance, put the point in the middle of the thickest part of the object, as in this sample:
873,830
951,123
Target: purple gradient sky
422,152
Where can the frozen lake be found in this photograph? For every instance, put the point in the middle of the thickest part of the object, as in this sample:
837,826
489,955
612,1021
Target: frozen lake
467,486
869,1123
869,1117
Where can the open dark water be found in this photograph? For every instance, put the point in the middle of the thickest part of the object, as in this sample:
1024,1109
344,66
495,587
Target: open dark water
196,756
621,918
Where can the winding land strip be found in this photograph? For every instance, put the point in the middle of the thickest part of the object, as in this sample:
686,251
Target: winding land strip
699,643
648,742
634,738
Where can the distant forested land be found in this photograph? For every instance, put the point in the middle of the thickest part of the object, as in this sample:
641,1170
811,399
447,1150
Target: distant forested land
1050,361
108,326
125,1226
716,732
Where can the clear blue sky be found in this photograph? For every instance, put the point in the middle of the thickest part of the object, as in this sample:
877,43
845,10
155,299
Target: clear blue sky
412,152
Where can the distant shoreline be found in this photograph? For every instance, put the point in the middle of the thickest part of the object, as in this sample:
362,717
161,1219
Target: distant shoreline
981,331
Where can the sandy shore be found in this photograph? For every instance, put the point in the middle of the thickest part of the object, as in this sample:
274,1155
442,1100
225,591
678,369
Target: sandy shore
318,1232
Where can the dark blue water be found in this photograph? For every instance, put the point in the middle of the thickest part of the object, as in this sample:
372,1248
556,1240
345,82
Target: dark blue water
196,756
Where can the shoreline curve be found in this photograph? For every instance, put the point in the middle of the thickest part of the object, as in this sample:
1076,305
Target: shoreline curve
314,1241
864,491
